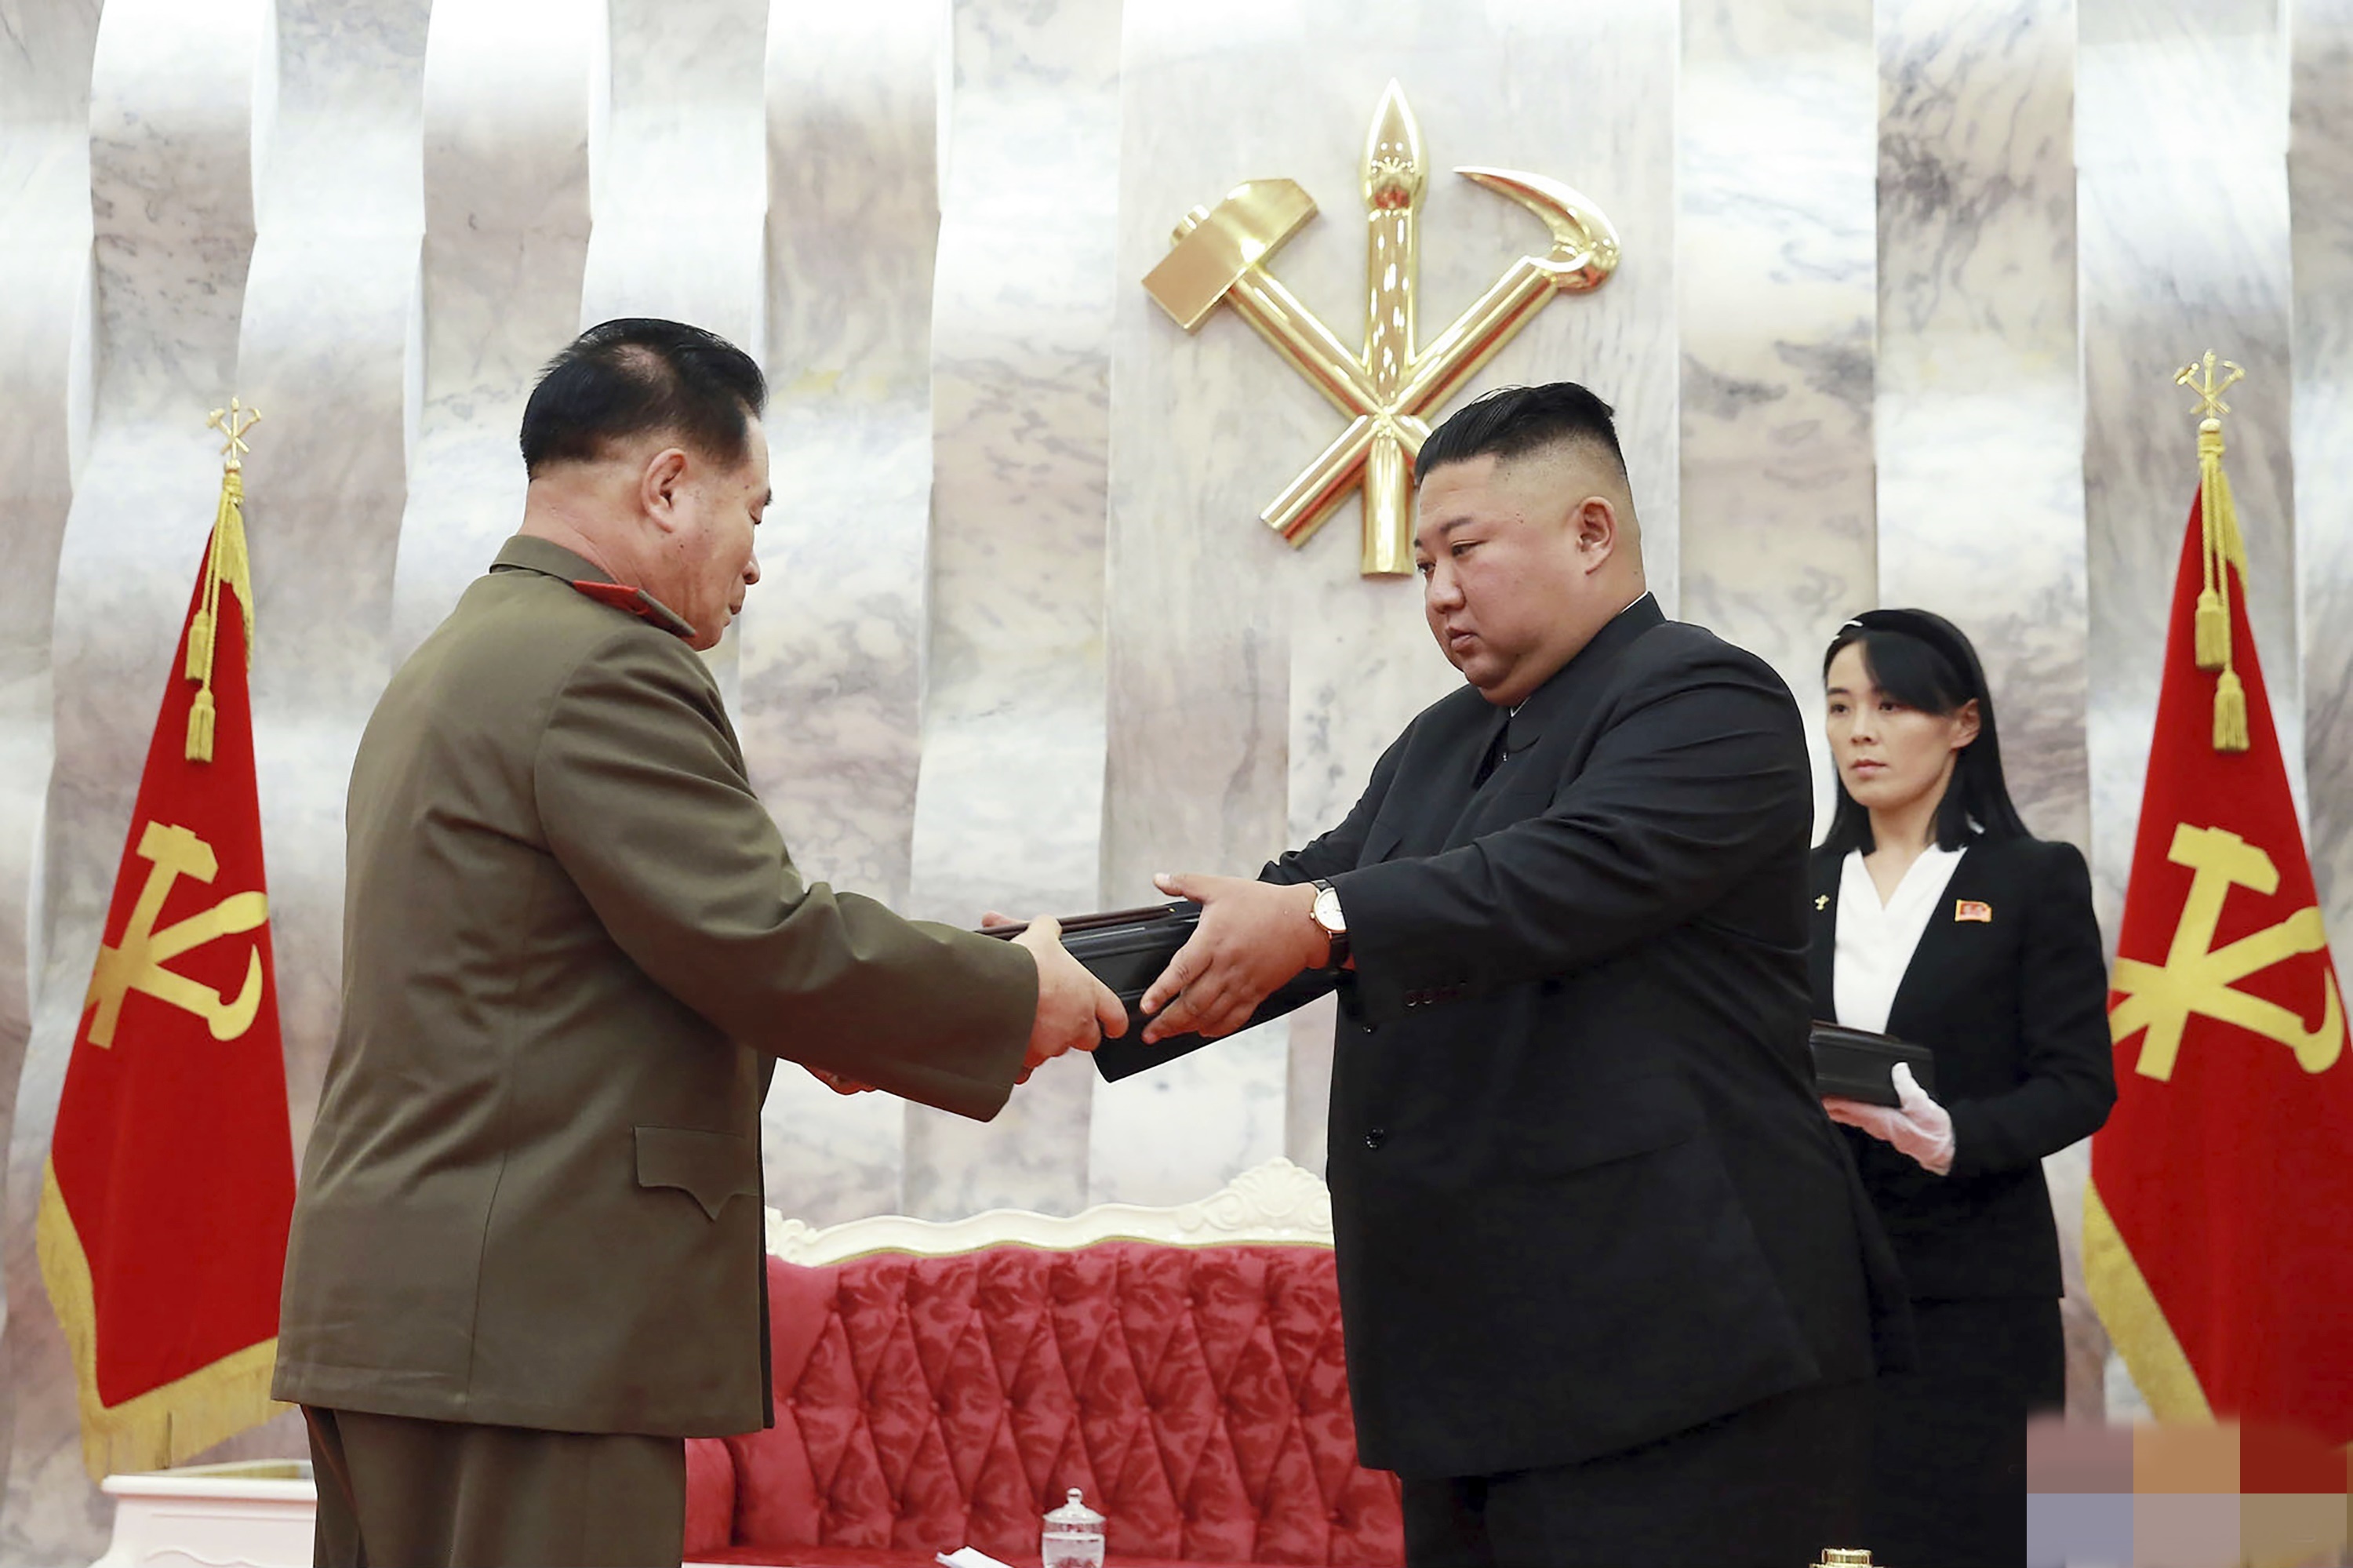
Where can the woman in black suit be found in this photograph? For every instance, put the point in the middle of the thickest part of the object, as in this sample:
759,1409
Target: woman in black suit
1939,919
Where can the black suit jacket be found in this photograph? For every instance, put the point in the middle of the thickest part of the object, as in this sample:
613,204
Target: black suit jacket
2016,1008
1583,1192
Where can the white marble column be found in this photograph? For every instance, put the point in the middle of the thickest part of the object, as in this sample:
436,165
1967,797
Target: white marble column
1777,120
331,352
682,187
1979,406
832,639
2182,109
1252,686
1009,811
44,416
1980,417
178,101
328,349
514,107
2321,190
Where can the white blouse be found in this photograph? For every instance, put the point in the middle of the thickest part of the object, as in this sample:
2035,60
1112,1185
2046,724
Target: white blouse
1875,940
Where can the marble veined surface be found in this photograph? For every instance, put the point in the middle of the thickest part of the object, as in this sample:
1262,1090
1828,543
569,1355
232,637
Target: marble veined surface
1905,284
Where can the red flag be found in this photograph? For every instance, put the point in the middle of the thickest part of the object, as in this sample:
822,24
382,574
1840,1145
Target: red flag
2214,1237
170,1173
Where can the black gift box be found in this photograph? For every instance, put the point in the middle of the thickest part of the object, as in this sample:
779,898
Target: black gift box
1861,1065
1126,950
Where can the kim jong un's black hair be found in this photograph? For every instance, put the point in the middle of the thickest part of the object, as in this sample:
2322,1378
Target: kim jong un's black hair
1924,662
638,375
1513,421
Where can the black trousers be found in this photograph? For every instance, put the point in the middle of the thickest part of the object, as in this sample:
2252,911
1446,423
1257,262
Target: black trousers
1767,1486
1949,1437
394,1492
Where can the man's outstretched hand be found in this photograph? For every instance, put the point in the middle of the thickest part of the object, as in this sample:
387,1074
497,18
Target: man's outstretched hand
1075,1010
1253,938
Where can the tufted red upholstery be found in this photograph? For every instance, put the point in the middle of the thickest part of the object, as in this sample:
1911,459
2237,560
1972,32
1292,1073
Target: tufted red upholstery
923,1404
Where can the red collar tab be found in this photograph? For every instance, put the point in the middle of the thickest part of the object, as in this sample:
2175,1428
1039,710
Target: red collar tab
637,602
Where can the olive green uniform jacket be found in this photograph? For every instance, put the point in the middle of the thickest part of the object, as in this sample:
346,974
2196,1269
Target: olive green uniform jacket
573,946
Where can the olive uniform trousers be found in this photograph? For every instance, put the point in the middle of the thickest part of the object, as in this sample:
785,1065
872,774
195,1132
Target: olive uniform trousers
399,1492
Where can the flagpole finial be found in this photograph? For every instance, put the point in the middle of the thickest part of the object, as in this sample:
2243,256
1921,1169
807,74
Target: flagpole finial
235,419
2199,379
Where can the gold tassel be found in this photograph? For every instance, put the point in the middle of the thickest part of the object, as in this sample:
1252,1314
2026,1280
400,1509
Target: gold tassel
2217,533
200,645
2220,549
236,565
2230,713
2225,552
225,562
2213,639
200,726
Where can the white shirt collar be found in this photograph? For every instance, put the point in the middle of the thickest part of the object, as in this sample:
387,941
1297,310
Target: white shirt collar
1875,940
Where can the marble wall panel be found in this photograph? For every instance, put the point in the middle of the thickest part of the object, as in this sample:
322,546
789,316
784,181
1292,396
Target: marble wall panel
45,390
45,413
1979,408
1009,808
2320,189
513,99
177,101
1776,250
329,339
331,335
1216,703
2180,108
832,641
680,184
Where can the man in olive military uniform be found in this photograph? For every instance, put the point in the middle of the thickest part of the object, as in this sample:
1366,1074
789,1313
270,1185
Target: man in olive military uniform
526,1259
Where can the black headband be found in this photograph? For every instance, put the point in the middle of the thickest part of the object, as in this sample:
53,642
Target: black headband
1936,631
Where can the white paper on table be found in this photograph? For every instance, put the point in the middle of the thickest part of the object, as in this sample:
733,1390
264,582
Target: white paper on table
967,1557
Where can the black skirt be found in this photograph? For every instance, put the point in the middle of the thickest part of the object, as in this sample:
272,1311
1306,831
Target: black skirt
1949,1437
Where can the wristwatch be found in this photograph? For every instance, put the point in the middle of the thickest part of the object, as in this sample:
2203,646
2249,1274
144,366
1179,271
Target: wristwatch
1331,922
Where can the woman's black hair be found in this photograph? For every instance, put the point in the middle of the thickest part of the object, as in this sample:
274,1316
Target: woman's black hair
1923,661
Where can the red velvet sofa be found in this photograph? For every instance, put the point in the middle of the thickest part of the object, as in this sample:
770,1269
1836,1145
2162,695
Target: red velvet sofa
940,1386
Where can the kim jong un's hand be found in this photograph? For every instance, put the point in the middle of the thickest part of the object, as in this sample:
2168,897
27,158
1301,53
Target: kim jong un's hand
1075,1010
1253,938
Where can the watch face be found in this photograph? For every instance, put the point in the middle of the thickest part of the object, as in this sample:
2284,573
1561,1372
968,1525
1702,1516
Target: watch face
1327,911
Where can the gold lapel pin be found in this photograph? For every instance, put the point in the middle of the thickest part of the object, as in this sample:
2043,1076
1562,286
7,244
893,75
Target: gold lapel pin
1970,909
1823,902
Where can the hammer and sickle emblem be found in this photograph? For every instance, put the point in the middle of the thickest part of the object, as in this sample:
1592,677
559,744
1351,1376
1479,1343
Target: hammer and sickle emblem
1387,388
2198,977
138,963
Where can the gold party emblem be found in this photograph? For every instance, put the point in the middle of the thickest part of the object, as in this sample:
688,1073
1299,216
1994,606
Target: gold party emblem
140,961
1386,389
2198,976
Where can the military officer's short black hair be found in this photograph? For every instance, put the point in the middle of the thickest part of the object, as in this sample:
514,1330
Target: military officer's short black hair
637,375
1513,421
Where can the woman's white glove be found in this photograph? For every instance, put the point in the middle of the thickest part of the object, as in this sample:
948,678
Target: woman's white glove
1919,1127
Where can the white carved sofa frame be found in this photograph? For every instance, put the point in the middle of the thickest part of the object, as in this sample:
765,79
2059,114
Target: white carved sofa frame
1274,1203
258,1514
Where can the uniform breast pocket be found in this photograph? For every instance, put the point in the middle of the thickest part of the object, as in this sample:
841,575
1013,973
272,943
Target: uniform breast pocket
709,1167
